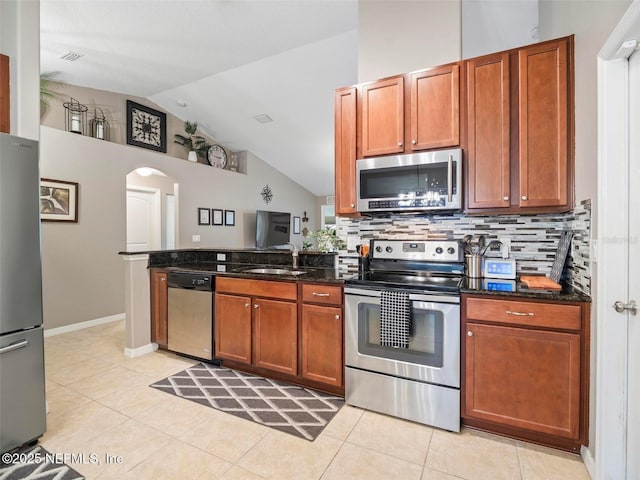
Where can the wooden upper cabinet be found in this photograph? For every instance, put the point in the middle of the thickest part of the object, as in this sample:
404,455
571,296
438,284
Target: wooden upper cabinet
544,127
345,150
434,108
382,112
488,132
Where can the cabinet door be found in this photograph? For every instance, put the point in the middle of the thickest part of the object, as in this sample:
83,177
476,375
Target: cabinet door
488,132
528,379
275,335
435,108
322,344
383,117
159,325
232,325
345,150
544,129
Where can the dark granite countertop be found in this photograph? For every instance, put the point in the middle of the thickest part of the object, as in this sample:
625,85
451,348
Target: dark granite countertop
490,286
312,274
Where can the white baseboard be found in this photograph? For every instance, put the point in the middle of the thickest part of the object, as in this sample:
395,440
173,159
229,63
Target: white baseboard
139,351
82,325
587,458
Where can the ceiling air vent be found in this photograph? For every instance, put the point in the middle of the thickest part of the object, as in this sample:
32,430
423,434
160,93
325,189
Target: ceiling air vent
71,56
263,118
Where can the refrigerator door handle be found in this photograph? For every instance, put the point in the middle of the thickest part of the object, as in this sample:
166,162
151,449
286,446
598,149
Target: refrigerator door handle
14,346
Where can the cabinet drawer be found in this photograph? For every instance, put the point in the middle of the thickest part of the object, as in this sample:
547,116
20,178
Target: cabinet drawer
257,288
548,315
324,294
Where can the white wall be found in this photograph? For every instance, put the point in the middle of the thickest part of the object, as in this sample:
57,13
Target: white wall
82,272
396,37
490,26
19,40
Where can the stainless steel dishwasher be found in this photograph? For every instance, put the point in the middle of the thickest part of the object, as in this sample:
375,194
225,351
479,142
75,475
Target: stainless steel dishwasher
190,319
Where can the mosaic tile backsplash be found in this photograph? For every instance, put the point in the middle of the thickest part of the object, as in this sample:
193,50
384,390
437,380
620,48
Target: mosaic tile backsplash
534,238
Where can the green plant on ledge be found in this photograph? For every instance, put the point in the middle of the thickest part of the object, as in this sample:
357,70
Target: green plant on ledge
191,141
328,240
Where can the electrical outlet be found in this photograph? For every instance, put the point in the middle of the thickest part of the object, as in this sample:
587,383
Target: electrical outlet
195,238
505,249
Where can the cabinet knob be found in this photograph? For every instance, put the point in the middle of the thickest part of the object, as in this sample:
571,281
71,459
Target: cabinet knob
506,199
469,333
353,205
399,144
413,142
524,197
255,305
316,294
162,279
246,305
337,317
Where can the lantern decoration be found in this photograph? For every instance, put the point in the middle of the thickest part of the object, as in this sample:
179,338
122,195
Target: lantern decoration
99,127
75,117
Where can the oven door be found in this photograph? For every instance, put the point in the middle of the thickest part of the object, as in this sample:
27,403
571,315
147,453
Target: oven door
433,355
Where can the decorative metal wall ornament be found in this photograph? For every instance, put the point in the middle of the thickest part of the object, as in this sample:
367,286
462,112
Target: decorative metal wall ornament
305,219
98,125
75,116
267,194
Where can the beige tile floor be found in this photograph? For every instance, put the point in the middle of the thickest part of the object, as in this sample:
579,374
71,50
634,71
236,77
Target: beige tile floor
100,404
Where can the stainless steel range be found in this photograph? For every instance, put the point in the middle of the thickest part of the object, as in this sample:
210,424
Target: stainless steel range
402,332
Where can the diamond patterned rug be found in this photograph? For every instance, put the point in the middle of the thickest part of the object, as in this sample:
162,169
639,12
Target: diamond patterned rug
292,409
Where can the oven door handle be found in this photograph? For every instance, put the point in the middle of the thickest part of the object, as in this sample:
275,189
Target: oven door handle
414,297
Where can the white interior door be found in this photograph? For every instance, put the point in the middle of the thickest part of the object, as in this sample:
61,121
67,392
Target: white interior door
143,219
633,343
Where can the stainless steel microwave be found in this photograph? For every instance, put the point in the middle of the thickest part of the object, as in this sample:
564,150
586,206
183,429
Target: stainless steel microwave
422,181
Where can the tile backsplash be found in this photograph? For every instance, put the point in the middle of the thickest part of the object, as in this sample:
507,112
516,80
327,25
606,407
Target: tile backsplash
534,238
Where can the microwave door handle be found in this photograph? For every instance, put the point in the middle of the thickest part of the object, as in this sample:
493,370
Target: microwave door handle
450,179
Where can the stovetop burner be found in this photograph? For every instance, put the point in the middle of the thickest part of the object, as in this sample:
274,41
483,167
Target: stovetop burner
429,266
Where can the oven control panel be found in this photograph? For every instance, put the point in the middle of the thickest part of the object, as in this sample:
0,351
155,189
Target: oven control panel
423,250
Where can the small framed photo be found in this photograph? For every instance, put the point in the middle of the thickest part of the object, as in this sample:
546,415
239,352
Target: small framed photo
217,216
296,225
204,216
58,201
230,217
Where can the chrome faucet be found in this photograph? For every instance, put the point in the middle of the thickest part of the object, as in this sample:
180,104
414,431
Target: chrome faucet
294,254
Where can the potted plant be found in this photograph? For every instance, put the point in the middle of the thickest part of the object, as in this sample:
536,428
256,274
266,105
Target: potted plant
195,144
327,240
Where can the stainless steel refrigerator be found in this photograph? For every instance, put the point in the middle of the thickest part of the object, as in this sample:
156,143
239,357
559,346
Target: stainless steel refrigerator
22,394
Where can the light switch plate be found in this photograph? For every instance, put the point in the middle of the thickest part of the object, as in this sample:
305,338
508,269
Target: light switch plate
195,238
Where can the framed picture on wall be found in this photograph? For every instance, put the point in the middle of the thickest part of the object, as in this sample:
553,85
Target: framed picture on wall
146,127
230,217
58,201
204,216
217,216
296,225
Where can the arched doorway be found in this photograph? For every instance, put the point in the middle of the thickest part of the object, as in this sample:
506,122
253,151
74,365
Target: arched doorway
151,210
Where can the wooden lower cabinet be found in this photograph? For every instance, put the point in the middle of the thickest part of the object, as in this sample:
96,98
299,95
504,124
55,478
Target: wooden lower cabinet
321,348
275,335
159,307
233,328
289,331
526,377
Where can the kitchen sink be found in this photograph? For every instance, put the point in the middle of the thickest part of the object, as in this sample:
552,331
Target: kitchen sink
274,271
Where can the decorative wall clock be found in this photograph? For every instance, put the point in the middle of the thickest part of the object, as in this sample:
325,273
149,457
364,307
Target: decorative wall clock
217,156
146,127
267,194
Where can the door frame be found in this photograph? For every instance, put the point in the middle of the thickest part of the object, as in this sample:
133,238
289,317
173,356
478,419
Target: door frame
612,251
157,210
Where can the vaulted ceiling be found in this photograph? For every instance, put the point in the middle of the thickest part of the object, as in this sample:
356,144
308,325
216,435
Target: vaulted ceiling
228,60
